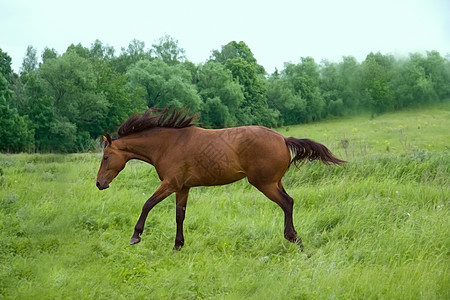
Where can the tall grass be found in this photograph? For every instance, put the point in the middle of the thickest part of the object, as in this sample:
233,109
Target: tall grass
376,229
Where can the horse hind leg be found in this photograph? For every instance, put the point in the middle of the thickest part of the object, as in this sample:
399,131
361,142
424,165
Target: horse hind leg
181,201
277,194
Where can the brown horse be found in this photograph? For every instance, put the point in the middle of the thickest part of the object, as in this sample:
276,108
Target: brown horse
185,156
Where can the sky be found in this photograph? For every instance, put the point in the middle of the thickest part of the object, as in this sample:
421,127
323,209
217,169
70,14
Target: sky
276,31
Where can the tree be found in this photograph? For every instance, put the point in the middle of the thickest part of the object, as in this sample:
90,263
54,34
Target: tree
30,61
48,54
131,55
438,73
29,67
112,85
5,65
220,93
51,132
237,50
339,84
412,85
331,87
282,97
304,78
71,82
14,132
215,114
80,50
349,71
254,108
377,75
120,104
239,59
161,85
168,51
76,97
101,52
15,135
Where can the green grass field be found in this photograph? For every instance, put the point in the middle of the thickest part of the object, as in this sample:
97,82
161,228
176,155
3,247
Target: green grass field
377,229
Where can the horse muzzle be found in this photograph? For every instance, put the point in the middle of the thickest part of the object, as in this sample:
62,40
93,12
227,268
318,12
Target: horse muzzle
102,185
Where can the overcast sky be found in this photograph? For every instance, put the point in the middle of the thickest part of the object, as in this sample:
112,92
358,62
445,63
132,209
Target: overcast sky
276,31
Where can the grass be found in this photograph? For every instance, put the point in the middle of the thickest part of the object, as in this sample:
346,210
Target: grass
377,229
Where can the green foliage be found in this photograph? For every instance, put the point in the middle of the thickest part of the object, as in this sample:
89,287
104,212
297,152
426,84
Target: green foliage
376,229
215,113
340,87
134,53
234,50
304,79
168,51
71,81
282,97
65,102
30,62
420,80
14,132
162,85
239,60
221,94
377,76
15,135
48,54
120,103
5,64
254,108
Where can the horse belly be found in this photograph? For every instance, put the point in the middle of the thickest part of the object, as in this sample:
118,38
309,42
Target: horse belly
211,180
215,166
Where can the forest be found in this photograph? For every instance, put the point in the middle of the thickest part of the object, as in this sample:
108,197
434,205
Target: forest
64,102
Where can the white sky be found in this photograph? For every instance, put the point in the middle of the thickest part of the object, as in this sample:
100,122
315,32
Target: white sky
276,31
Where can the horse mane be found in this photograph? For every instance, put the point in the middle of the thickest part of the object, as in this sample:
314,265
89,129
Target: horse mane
167,118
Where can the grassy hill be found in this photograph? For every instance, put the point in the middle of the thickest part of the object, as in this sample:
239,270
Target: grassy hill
378,228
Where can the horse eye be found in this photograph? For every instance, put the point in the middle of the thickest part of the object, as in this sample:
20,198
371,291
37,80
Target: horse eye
105,157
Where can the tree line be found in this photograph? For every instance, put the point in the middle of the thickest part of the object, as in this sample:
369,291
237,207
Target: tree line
64,102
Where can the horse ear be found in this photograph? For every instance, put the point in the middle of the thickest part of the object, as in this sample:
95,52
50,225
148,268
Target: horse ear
107,139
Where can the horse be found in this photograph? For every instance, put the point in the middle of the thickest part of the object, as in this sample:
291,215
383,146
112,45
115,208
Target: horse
187,156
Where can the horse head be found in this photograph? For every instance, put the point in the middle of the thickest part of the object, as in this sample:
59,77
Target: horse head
113,162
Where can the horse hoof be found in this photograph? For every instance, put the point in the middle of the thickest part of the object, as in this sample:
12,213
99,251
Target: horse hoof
135,240
299,242
177,247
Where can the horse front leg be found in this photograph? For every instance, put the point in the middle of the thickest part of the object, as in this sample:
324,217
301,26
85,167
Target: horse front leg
160,194
181,199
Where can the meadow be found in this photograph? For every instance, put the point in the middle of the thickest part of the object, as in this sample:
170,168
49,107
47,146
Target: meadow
377,229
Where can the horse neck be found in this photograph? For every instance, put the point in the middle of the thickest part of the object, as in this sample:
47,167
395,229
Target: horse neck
145,146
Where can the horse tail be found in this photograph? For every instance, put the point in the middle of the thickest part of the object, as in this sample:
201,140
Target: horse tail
306,149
